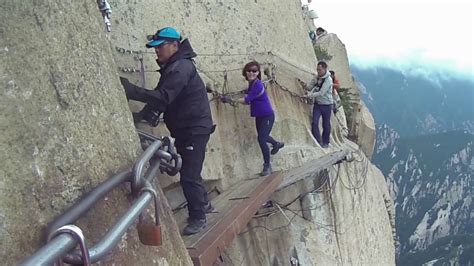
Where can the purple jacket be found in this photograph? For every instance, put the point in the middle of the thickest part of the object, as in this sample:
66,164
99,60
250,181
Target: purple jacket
258,99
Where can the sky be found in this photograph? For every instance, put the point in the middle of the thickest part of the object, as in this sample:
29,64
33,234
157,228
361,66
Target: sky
436,34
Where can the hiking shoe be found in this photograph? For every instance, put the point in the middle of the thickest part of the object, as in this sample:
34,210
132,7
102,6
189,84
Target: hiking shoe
194,226
267,204
208,208
277,147
267,170
325,146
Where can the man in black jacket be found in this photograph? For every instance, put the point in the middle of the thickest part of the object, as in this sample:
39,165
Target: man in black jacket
181,95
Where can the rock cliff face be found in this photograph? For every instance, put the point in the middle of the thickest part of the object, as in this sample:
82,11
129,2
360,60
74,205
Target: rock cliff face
66,126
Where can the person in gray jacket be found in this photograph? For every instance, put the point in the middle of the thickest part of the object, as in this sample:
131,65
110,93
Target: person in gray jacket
321,92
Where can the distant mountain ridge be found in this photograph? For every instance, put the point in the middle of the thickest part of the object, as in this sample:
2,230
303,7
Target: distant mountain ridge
430,180
425,148
415,104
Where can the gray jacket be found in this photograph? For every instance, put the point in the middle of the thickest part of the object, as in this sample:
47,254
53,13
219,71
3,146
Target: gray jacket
321,95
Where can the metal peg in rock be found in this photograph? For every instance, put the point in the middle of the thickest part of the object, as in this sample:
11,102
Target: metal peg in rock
120,50
106,11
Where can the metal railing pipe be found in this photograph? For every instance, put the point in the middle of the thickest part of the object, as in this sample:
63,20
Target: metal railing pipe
139,167
52,251
164,155
88,200
62,243
153,171
114,235
147,135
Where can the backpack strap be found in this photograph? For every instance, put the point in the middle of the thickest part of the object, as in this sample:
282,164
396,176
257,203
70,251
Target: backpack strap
322,82
319,86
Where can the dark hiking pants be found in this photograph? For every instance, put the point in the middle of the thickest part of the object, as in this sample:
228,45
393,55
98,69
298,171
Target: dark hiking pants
325,111
264,126
192,151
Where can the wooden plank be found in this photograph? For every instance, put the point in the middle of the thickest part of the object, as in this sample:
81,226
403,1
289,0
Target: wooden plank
306,170
222,204
210,244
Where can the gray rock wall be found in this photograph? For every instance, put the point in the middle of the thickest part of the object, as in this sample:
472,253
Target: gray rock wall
65,126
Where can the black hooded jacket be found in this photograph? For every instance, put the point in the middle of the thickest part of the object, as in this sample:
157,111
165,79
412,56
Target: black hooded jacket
180,94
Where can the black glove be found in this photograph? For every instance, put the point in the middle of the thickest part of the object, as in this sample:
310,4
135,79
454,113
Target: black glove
226,99
128,87
150,114
209,89
137,117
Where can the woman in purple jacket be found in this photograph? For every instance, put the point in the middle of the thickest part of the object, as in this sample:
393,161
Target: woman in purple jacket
261,109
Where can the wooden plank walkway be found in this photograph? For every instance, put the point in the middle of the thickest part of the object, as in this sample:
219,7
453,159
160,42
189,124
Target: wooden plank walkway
235,208
307,169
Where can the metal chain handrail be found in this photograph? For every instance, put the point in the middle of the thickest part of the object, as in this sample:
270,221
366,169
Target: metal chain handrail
137,54
226,97
160,155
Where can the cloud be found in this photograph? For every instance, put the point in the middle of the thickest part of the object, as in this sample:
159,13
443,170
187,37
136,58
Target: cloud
414,65
435,34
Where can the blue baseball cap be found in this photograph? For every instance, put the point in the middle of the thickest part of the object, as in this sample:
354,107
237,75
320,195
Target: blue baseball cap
165,34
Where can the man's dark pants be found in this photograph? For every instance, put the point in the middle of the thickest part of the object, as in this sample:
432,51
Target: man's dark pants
192,151
325,111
